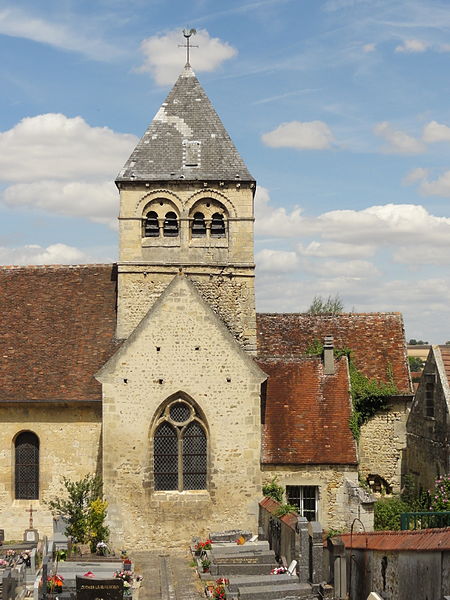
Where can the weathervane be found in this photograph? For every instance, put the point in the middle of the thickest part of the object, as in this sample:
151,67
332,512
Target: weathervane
187,34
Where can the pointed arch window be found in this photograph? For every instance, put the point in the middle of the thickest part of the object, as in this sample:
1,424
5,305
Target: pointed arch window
180,449
26,470
151,225
170,228
198,225
217,225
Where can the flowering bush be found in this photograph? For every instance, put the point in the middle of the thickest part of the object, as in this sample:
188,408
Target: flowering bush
278,571
3,563
125,576
102,548
440,496
219,589
55,583
206,545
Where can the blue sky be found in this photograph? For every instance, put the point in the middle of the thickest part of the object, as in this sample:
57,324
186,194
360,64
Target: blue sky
339,108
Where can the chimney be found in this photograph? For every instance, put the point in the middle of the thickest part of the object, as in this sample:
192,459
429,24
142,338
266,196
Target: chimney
328,355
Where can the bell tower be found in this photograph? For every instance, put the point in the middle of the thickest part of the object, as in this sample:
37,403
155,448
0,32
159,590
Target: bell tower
186,205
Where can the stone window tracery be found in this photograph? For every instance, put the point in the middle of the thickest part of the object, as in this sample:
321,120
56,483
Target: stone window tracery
26,466
180,449
160,219
209,219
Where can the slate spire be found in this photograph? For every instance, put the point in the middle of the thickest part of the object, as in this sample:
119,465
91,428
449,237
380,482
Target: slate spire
185,141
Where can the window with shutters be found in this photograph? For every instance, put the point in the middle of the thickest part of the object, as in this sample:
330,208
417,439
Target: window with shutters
26,466
180,449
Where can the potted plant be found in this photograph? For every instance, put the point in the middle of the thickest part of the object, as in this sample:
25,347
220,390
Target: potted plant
55,584
206,563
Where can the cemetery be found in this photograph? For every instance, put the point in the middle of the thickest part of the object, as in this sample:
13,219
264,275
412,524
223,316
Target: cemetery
55,568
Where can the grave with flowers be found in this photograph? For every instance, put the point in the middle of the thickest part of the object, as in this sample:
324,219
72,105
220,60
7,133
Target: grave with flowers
246,568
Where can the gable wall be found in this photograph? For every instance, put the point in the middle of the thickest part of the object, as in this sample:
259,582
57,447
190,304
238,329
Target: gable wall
427,437
382,444
139,516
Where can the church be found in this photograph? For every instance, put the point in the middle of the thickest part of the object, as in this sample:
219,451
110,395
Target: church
157,374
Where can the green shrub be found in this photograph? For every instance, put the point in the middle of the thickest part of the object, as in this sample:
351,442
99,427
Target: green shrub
387,513
285,509
440,496
273,489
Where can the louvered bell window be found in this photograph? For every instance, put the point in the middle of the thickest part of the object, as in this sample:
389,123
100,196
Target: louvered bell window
151,225
198,225
27,466
217,225
180,450
170,225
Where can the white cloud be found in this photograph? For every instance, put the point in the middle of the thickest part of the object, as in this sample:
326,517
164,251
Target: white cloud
63,166
53,146
276,260
96,201
412,46
275,222
33,254
438,187
399,142
163,58
349,269
312,135
335,250
16,22
369,48
422,254
415,175
436,132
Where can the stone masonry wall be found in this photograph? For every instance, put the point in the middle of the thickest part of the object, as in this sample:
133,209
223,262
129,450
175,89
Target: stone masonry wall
69,437
333,506
180,350
223,268
382,444
428,436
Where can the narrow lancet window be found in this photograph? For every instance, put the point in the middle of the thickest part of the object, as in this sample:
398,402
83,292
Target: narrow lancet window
170,225
151,225
198,225
217,225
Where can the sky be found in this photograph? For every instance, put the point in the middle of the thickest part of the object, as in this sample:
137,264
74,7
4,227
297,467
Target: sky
340,109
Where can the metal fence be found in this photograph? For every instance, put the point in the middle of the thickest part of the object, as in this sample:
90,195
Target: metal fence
424,520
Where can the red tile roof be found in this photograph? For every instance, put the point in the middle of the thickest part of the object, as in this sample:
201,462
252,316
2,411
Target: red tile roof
57,326
445,353
272,506
306,413
377,340
420,540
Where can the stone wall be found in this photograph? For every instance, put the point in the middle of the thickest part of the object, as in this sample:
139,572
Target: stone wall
69,438
383,442
181,350
223,267
428,436
333,501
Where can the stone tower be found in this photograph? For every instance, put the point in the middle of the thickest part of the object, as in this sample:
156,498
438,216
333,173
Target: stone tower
186,205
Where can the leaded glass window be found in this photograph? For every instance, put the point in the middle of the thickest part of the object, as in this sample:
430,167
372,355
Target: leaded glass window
180,449
27,466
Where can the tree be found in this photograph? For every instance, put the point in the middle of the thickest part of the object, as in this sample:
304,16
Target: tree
414,342
415,363
333,305
84,510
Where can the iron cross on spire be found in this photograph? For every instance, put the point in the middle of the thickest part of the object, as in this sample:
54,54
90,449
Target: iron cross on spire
187,34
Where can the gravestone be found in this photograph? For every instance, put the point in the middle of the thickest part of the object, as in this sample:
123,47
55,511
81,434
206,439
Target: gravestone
90,588
2,536
231,535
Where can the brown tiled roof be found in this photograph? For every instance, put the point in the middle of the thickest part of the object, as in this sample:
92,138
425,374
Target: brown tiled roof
272,506
57,326
445,353
306,413
377,340
420,540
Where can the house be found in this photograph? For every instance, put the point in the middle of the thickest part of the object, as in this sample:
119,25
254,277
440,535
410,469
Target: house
428,425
